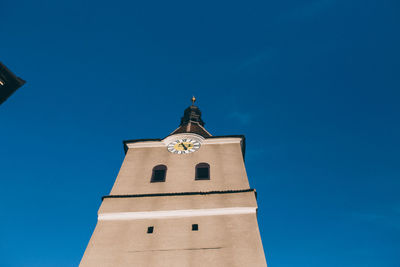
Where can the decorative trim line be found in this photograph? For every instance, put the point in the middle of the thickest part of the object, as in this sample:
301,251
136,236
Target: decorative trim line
166,141
171,138
159,141
182,194
223,141
146,144
173,249
175,213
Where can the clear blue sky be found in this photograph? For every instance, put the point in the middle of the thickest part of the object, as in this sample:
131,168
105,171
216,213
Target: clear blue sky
314,86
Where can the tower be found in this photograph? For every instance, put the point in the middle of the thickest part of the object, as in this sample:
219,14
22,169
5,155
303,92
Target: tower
180,201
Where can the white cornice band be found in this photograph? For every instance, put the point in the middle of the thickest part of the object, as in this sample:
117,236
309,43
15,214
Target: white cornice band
162,214
174,137
164,142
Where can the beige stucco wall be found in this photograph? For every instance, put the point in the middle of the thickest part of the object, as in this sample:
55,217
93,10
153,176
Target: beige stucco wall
227,170
221,241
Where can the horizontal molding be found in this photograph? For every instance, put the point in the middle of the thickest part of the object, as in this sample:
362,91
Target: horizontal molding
228,140
174,137
183,193
146,144
164,143
175,213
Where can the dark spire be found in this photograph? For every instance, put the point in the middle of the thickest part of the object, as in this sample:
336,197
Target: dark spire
191,121
192,114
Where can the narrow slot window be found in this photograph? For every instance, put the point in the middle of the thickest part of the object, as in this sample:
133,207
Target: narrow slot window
150,229
195,227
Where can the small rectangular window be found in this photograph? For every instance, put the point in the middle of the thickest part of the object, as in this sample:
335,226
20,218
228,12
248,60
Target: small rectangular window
202,174
159,176
150,229
202,171
195,227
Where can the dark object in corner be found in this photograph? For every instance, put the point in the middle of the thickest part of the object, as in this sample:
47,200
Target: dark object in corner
9,83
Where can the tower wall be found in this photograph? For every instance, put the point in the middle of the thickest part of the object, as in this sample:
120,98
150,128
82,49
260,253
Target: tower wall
228,240
224,208
227,169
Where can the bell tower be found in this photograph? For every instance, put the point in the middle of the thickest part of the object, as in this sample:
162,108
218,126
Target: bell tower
180,201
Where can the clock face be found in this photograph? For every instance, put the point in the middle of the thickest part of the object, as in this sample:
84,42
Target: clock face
183,146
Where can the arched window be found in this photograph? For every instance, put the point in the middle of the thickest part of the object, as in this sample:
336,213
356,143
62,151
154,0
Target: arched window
159,173
203,171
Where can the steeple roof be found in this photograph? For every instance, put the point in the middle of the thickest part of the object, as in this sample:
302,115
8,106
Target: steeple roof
191,122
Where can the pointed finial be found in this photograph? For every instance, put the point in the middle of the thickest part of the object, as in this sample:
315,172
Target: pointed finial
193,100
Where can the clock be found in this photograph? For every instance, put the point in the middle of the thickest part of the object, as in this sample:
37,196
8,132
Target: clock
183,146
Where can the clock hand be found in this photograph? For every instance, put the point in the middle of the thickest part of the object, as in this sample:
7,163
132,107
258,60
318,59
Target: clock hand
184,146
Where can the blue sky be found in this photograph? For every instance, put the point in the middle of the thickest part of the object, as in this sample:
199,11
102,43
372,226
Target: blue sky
314,86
